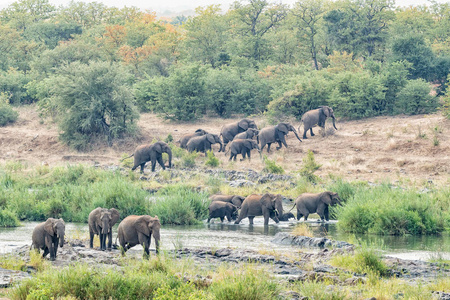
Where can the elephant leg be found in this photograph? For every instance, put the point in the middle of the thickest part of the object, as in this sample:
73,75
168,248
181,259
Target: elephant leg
242,215
153,164
91,239
279,145
299,215
102,241
284,142
222,218
243,153
306,216
304,133
327,213
142,167
250,220
248,154
268,147
310,130
161,162
45,252
110,240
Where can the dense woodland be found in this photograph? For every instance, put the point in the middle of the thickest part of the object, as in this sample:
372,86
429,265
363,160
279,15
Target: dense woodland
93,68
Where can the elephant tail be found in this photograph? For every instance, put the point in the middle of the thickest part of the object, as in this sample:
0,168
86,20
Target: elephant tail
127,157
292,207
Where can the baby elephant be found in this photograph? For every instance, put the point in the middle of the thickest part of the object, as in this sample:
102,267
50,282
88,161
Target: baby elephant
308,203
46,236
219,209
286,216
233,199
243,147
138,230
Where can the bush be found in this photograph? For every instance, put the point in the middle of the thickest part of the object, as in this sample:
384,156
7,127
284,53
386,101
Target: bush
270,166
8,219
365,260
188,159
211,160
415,98
7,114
309,167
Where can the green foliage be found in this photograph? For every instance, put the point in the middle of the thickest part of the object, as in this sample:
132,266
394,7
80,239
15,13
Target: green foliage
188,159
270,166
309,167
7,113
92,102
13,83
8,219
446,101
169,138
415,98
211,160
11,262
365,260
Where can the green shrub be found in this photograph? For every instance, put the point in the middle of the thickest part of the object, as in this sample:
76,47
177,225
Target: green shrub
8,219
188,159
415,98
446,101
365,260
270,166
7,114
309,167
211,160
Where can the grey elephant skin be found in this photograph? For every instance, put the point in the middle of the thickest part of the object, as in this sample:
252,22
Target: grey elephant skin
219,209
248,134
185,138
138,230
267,205
47,235
230,130
317,117
101,221
203,143
243,147
233,199
286,216
276,134
309,203
153,152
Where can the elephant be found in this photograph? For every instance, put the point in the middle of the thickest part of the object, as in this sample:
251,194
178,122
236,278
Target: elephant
248,134
308,203
277,133
286,216
230,130
153,153
243,147
134,230
101,221
233,199
316,117
203,143
185,138
219,209
267,205
46,236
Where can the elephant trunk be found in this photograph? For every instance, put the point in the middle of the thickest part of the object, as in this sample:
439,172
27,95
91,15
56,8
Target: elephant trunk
295,132
279,208
169,152
61,240
221,145
157,238
334,122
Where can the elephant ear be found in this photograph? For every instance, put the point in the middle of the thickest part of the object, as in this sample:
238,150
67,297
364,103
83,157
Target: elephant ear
248,144
326,111
200,131
243,124
267,201
210,138
157,148
141,225
283,127
115,216
326,198
49,226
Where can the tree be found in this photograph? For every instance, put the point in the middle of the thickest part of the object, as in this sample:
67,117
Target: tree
91,102
22,13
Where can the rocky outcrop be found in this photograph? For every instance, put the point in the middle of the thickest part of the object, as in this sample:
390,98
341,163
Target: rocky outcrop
9,277
308,242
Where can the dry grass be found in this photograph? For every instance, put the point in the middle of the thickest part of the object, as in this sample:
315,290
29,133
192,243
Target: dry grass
363,144
302,229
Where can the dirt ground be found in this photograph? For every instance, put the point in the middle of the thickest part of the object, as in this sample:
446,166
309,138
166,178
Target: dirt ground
411,148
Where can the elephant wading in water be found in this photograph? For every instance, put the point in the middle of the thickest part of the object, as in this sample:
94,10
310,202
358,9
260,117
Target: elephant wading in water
316,117
277,133
153,153
203,143
46,236
308,203
248,134
185,138
243,147
218,209
233,199
138,230
267,205
230,130
101,221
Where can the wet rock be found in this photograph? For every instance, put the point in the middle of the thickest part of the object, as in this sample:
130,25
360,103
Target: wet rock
441,295
9,277
355,281
318,277
223,252
308,242
291,295
241,183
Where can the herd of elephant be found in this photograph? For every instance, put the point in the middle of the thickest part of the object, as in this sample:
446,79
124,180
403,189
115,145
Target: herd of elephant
138,230
241,135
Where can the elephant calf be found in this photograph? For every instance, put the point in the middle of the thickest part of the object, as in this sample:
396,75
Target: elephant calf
101,221
185,138
138,230
248,134
218,209
308,203
233,199
46,236
153,152
243,147
276,134
267,205
285,217
203,143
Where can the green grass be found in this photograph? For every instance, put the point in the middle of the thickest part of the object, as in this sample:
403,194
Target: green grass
364,260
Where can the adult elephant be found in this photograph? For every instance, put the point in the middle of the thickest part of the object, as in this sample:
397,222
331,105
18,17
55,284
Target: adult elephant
46,236
243,147
230,130
203,143
134,230
277,133
317,117
233,199
101,221
219,209
309,203
267,205
153,152
185,138
248,134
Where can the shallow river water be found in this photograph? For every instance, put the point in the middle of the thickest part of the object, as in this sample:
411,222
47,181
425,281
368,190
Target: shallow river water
256,237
